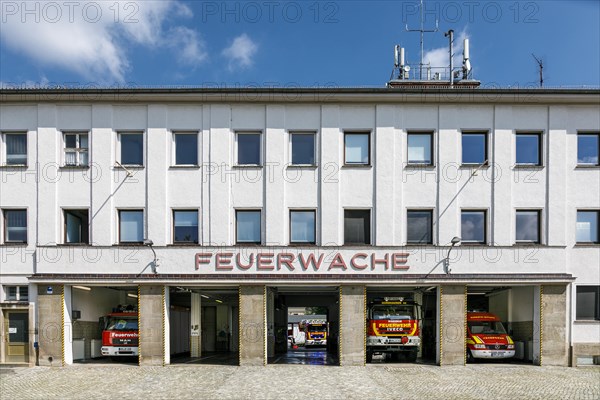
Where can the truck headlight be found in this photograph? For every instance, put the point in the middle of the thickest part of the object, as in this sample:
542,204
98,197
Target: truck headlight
510,346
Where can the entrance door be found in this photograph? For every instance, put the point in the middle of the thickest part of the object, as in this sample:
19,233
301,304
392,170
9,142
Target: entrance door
17,334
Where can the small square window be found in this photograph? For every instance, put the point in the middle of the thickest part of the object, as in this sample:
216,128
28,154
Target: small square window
76,226
132,148
588,303
185,226
16,148
248,149
420,148
528,226
76,149
23,293
357,226
529,149
419,225
356,148
17,293
248,226
11,293
474,148
131,226
186,149
588,147
302,226
15,226
587,226
473,226
303,148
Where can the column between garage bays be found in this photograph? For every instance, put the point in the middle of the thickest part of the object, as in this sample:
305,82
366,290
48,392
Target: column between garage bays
452,319
152,303
252,325
352,325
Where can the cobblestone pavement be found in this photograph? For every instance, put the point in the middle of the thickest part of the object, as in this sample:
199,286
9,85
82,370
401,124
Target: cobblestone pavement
293,382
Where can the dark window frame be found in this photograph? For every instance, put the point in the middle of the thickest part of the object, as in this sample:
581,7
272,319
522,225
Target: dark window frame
358,133
175,210
597,134
5,226
314,136
120,136
485,225
430,211
431,148
314,211
186,133
248,243
596,290
369,240
143,226
485,146
540,148
597,212
260,148
5,150
539,226
68,210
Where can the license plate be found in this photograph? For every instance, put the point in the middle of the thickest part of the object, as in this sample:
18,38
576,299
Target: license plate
395,340
496,354
124,349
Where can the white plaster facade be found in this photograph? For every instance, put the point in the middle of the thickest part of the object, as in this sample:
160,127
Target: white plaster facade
388,187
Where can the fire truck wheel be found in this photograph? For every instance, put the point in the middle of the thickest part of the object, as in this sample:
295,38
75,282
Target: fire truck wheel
369,356
412,356
470,358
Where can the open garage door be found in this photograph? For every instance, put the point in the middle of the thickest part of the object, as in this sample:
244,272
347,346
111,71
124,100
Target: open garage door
500,324
204,325
303,325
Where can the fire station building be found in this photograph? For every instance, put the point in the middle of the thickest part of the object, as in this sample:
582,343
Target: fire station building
213,211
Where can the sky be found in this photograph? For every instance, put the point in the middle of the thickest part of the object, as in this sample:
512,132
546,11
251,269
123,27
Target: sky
274,43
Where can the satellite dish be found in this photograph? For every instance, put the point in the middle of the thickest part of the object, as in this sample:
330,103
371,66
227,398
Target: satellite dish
406,68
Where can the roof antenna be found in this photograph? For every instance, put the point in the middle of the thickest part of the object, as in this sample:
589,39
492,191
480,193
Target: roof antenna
422,31
541,67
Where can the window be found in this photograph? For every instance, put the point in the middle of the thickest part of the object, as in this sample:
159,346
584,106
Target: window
419,225
357,226
529,149
16,148
528,226
186,149
17,293
76,227
248,149
302,226
588,303
248,226
132,148
131,226
588,147
356,148
474,148
303,148
419,148
473,224
185,226
76,149
587,226
15,226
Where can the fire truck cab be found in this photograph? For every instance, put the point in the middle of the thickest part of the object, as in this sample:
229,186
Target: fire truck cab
487,338
315,333
120,333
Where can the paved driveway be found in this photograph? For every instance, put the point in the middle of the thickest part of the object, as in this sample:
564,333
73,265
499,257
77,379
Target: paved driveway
404,381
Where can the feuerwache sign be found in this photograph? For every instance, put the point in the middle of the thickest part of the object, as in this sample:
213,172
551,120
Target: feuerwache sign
301,262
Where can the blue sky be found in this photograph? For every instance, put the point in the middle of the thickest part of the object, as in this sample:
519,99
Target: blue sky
296,43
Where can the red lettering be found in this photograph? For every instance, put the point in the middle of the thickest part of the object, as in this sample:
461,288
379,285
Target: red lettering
399,261
289,259
244,267
304,263
355,265
338,262
201,258
385,260
223,261
264,261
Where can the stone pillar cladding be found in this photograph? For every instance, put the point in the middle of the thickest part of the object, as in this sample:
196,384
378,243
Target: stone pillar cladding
453,316
352,325
151,324
554,348
252,316
51,332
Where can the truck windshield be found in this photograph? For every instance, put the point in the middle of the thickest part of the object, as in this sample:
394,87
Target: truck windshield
122,324
316,328
487,328
394,312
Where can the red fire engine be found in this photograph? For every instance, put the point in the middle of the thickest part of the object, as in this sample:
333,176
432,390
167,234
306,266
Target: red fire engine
120,333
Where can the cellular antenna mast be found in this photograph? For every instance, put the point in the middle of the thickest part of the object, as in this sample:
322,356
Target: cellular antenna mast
541,67
422,31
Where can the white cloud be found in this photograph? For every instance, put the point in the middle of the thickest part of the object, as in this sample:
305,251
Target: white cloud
241,52
90,37
440,58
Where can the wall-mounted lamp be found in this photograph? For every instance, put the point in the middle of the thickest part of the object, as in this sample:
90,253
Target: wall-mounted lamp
154,265
455,240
